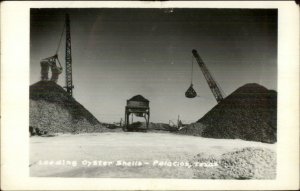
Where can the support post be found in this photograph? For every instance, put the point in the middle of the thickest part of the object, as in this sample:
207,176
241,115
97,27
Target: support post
148,119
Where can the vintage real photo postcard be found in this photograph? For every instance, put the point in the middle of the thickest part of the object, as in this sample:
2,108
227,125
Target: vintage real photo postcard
156,91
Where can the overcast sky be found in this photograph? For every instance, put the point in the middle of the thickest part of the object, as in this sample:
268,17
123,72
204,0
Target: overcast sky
119,53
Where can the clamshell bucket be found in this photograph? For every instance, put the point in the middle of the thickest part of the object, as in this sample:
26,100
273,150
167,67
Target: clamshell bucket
190,92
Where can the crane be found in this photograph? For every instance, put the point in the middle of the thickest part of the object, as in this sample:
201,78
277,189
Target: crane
69,82
214,87
50,62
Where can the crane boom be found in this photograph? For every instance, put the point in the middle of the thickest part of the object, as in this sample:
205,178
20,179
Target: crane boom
69,83
216,90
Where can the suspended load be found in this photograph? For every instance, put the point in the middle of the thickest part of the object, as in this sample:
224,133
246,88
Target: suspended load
190,92
213,85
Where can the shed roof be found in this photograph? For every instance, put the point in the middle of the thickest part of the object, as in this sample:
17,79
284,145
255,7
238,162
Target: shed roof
138,98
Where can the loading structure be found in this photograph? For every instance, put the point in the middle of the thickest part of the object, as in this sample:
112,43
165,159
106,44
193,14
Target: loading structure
138,106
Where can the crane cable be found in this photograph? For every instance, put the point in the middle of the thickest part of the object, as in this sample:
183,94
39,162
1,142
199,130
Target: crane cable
59,44
190,92
192,70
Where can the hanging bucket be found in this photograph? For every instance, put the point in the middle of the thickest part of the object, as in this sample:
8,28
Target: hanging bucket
190,92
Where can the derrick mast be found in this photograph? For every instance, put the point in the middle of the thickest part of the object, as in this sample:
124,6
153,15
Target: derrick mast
69,83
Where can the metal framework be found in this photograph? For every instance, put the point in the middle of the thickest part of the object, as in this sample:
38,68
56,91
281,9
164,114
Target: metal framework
138,106
145,112
216,90
69,83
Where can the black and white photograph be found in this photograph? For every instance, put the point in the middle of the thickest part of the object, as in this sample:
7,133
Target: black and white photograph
153,93
149,95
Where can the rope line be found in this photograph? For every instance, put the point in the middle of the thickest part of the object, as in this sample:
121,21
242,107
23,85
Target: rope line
60,38
192,70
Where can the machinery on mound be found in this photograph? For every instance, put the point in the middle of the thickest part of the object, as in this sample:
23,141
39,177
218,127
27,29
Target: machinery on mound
54,111
47,63
51,62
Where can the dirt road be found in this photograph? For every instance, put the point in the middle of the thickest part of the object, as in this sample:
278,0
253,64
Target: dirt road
124,154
